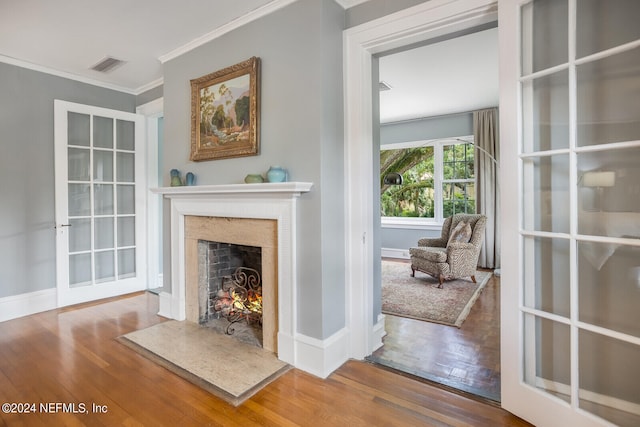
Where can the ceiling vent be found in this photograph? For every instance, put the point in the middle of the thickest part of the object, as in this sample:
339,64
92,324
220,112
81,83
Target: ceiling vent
384,86
107,64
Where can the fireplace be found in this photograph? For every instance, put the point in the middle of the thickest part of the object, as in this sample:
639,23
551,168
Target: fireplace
256,215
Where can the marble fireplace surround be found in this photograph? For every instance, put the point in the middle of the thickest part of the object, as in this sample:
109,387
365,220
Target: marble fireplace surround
267,201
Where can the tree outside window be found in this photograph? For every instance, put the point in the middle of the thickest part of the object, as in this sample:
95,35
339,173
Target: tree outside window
439,180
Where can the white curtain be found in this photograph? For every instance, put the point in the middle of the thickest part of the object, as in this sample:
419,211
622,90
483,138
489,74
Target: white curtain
485,132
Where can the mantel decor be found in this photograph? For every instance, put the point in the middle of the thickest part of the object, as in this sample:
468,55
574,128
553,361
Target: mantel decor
225,112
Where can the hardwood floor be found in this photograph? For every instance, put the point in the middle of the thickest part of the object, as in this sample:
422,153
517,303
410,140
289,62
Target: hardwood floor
71,356
466,358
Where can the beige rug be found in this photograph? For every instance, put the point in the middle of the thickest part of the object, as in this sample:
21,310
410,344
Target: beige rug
221,364
420,298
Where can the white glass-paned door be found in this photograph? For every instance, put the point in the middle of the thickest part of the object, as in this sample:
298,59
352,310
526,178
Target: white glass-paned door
577,86
100,219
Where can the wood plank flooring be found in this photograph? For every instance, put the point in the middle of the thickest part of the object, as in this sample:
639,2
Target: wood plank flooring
466,358
71,356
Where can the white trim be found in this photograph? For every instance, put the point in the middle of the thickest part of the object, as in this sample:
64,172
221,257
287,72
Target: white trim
379,332
65,75
347,4
27,304
395,253
166,306
321,357
226,28
421,22
410,223
153,108
151,85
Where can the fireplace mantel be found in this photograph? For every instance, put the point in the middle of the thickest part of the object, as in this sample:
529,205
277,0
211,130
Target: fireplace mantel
274,201
271,189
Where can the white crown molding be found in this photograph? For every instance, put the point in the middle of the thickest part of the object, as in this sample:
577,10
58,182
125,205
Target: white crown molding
347,4
149,86
63,74
226,28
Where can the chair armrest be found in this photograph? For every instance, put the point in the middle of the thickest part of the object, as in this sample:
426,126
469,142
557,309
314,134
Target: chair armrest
460,247
436,243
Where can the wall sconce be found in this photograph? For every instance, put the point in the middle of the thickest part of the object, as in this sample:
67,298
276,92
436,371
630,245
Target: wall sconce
392,179
599,180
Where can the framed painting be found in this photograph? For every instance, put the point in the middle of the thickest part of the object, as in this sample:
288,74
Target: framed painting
225,113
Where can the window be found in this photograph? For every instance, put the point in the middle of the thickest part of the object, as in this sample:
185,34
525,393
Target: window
438,181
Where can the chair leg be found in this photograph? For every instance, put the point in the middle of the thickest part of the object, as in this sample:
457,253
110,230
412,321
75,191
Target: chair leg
413,271
473,279
441,280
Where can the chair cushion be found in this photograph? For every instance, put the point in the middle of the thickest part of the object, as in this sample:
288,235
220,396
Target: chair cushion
429,253
461,233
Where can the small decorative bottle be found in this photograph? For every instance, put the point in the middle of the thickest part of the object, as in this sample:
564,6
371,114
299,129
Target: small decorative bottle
176,181
276,174
190,178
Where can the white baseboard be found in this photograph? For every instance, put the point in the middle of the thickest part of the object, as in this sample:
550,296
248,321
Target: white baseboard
321,357
26,304
165,303
395,253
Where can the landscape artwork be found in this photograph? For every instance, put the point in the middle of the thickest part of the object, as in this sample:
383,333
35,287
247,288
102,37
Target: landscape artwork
224,113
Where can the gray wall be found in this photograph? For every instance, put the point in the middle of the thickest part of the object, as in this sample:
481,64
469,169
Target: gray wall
27,236
374,9
301,130
416,130
149,95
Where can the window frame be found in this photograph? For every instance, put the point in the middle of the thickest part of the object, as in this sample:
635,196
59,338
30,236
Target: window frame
434,223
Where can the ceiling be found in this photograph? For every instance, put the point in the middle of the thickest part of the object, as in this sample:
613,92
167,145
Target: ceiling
70,36
452,76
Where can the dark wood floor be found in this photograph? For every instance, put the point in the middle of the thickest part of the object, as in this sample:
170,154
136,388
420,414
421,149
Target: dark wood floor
71,356
466,358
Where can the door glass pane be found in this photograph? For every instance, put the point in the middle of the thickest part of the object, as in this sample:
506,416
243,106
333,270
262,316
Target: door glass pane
78,132
126,263
546,272
546,99
126,231
607,99
79,270
103,199
104,233
125,135
103,165
78,161
102,132
548,359
609,193
545,34
546,193
79,200
80,235
125,169
126,199
603,24
105,266
609,372
609,286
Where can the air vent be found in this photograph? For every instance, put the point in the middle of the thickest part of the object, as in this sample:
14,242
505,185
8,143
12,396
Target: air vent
107,64
384,86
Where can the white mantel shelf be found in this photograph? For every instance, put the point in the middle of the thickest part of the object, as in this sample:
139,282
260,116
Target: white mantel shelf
293,189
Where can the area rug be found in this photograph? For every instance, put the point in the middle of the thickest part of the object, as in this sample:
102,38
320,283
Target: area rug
420,298
221,364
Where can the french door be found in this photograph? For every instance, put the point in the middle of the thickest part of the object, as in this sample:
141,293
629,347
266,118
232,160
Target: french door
570,123
100,202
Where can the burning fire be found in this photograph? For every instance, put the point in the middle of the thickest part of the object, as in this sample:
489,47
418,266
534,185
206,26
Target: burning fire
251,304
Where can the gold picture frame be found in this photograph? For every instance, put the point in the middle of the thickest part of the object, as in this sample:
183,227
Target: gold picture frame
225,113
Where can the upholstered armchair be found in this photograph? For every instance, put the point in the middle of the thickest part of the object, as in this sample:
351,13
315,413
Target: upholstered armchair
455,254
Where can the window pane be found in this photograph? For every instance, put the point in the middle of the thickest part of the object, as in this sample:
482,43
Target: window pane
546,193
103,165
125,168
126,231
603,24
80,235
545,34
458,197
607,99
78,126
103,199
104,233
102,132
79,200
79,270
105,266
125,135
126,263
609,368
458,162
78,160
126,199
546,272
546,99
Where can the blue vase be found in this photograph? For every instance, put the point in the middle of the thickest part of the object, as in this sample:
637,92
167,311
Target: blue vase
276,174
190,179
